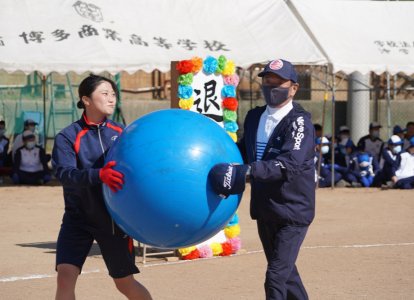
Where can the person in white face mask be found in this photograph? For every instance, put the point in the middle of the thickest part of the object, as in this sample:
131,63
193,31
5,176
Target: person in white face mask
344,147
372,143
391,159
404,176
325,175
29,125
30,162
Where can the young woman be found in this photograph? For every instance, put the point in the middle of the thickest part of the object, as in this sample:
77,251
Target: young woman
78,161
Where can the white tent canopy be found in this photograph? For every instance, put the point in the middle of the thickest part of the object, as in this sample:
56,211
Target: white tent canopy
362,36
132,35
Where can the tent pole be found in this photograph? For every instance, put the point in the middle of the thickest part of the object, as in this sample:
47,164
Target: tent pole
325,99
333,132
388,106
44,111
251,86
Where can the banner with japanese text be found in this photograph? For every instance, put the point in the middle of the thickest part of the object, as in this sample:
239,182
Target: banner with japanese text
131,35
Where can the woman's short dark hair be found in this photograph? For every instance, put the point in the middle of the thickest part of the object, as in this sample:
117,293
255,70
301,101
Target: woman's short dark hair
89,85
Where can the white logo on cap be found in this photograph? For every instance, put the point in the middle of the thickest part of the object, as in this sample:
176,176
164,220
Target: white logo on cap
276,64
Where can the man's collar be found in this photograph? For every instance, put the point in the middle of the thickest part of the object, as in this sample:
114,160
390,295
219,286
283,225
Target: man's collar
276,112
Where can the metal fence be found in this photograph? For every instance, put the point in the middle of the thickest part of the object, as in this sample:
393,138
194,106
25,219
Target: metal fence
20,93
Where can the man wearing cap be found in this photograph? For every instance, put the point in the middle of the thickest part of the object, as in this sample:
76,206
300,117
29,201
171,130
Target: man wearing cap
278,149
372,143
397,130
409,133
325,172
390,158
344,148
30,125
30,162
404,176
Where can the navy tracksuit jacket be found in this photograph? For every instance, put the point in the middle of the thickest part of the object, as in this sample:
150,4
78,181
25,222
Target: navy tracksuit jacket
283,182
78,154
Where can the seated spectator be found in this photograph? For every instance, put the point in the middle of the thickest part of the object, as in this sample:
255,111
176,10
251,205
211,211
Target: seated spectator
30,162
4,144
4,148
397,130
325,171
318,130
372,143
404,176
390,160
408,135
18,140
363,167
344,147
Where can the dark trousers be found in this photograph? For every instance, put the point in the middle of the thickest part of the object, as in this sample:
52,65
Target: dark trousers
32,178
406,183
281,244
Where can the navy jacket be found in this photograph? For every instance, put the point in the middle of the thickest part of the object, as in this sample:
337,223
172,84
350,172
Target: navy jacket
283,182
41,158
391,162
78,155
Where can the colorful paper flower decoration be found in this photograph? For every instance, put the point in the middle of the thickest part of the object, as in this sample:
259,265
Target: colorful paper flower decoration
190,67
187,70
229,247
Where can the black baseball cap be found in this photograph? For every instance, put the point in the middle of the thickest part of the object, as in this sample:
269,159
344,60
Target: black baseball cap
29,122
237,182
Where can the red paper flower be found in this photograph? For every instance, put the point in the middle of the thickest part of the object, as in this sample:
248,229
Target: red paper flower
184,66
193,255
230,103
227,249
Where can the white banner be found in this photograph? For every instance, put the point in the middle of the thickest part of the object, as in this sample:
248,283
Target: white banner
362,36
131,35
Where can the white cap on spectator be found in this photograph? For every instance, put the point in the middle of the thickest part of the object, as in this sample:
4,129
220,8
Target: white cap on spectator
343,128
27,134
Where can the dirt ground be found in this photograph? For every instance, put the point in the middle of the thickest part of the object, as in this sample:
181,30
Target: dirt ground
360,246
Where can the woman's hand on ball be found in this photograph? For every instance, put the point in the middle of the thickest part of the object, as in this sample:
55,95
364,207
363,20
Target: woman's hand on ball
112,178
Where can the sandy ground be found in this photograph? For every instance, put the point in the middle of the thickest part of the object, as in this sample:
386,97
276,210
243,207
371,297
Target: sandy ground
360,246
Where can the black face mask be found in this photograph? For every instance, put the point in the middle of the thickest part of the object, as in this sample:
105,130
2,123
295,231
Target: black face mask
274,96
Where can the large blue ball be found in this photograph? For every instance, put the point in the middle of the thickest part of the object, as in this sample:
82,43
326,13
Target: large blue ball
166,200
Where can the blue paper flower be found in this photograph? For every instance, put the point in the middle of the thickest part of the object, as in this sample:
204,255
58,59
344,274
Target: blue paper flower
210,65
231,126
184,91
234,220
228,91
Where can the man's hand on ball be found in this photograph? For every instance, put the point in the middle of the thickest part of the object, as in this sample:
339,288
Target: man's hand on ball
228,179
112,178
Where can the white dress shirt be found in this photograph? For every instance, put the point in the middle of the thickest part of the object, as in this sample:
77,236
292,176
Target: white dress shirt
268,122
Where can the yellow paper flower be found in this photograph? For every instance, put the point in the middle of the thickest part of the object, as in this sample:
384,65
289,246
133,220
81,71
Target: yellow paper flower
186,251
229,69
186,103
232,231
217,248
233,136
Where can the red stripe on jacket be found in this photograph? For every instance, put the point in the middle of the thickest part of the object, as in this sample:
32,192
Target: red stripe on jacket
130,245
78,139
116,128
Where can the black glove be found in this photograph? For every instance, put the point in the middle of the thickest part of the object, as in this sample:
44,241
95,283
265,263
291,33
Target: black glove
228,179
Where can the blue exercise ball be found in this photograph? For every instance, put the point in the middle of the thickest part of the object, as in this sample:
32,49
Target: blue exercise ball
166,200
